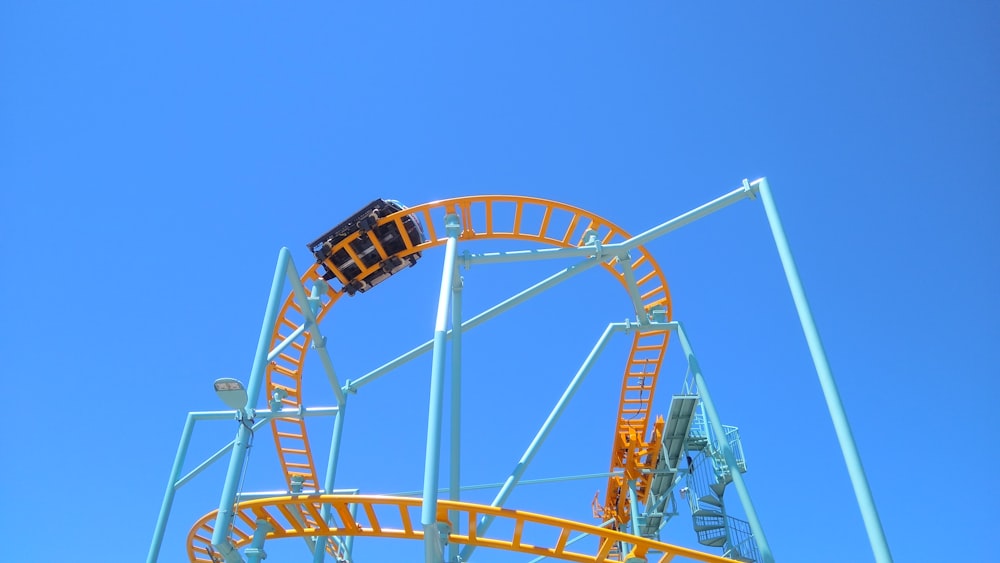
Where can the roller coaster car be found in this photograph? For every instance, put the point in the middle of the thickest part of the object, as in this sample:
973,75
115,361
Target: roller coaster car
392,241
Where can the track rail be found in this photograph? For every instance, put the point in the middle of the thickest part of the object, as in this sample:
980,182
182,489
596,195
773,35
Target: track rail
399,517
482,218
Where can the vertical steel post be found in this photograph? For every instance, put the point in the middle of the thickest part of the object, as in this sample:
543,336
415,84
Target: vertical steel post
428,514
349,540
168,496
319,550
727,451
454,475
873,525
633,500
220,537
255,551
543,432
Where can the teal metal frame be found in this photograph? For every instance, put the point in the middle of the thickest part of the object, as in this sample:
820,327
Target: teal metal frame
176,481
285,268
542,434
727,451
503,306
454,473
849,448
433,548
220,534
592,253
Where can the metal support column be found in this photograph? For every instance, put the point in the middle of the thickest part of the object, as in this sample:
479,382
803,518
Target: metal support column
177,482
633,500
255,551
168,496
349,540
873,525
727,451
224,520
543,432
319,550
428,514
454,474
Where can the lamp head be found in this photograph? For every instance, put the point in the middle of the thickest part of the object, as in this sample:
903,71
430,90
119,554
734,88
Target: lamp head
232,393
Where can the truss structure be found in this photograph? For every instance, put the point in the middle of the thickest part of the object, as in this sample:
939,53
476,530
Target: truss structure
644,473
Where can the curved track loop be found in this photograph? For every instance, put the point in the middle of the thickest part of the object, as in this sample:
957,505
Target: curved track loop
399,517
491,217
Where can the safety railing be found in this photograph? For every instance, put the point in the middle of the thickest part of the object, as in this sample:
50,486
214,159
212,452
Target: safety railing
742,545
700,429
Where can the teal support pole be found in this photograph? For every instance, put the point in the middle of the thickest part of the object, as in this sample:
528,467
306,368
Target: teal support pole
319,550
213,458
349,541
230,415
873,525
475,321
428,513
224,520
454,475
543,432
727,451
721,202
318,340
522,483
176,481
618,248
255,551
634,503
284,343
168,496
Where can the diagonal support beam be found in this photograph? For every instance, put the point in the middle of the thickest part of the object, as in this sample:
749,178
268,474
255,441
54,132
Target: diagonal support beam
543,432
220,536
475,321
862,490
727,451
319,341
607,251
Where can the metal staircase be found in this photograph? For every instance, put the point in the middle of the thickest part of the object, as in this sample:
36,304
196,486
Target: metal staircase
661,505
690,459
708,474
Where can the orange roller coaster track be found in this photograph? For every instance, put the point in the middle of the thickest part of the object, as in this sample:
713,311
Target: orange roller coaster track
635,444
502,217
393,517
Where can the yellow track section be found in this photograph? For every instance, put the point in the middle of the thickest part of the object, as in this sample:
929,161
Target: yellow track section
399,517
482,218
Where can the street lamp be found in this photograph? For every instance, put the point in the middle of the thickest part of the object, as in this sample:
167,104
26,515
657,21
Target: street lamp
232,393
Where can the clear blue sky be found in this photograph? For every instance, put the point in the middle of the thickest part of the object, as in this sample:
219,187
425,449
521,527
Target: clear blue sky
154,157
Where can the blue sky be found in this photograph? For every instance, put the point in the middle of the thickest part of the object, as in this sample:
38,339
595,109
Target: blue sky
155,157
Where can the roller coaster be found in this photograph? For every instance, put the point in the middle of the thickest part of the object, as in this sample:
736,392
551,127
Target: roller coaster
658,464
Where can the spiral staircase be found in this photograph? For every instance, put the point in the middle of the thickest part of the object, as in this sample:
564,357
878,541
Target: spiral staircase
706,480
